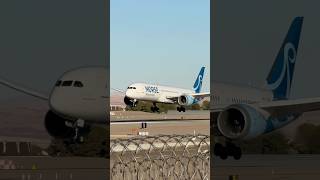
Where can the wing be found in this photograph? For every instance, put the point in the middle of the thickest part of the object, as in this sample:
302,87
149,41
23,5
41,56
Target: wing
23,89
283,106
198,96
118,90
291,106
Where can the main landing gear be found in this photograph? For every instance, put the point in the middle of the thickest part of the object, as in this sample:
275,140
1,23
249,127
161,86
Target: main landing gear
228,150
154,108
181,108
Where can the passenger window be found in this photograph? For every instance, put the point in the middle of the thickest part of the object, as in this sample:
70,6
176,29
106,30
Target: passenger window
77,84
58,83
66,83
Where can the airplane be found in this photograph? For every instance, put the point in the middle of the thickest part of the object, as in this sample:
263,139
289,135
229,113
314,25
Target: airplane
164,94
241,113
77,101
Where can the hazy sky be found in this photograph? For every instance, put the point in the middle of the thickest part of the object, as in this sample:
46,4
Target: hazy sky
42,39
164,42
248,34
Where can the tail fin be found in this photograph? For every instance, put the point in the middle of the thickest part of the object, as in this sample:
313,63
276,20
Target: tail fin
198,83
280,77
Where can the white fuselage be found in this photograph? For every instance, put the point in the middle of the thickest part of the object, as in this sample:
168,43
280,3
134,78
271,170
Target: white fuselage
154,93
223,94
81,94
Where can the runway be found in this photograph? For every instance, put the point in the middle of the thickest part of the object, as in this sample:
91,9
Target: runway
138,115
128,123
266,167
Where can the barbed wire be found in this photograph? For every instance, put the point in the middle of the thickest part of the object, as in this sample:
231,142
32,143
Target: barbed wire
160,157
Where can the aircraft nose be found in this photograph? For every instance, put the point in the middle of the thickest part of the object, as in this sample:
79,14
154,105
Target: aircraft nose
129,93
58,105
78,106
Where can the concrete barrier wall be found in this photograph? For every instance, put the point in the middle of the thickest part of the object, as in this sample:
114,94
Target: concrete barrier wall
10,148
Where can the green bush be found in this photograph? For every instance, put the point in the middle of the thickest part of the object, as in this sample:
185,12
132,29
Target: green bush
307,139
273,143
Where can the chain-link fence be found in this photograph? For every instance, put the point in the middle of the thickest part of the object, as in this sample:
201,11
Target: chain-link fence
160,157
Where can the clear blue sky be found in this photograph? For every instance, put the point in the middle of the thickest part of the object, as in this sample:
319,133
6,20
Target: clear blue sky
159,41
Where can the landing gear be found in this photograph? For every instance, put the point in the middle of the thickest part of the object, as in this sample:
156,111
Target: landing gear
154,108
78,138
181,108
80,129
134,103
229,150
130,102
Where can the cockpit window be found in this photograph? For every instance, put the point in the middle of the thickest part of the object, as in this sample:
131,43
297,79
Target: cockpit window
58,83
77,84
67,83
131,87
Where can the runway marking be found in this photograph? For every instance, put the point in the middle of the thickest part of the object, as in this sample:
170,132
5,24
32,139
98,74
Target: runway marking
136,121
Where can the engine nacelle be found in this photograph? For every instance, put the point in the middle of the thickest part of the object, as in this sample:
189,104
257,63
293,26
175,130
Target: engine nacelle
185,100
242,121
56,126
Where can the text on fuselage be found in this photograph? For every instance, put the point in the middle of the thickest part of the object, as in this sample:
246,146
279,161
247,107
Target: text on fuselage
151,89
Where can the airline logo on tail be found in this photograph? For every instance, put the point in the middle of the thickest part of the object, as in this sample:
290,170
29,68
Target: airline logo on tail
280,77
198,83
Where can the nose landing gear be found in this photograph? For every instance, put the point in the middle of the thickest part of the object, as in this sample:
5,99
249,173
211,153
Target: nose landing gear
79,128
130,102
134,103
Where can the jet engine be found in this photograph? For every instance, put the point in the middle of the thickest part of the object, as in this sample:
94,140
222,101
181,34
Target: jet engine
242,121
56,126
185,100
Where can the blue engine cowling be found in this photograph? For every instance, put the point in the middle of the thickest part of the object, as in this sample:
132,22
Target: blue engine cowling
242,121
186,100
